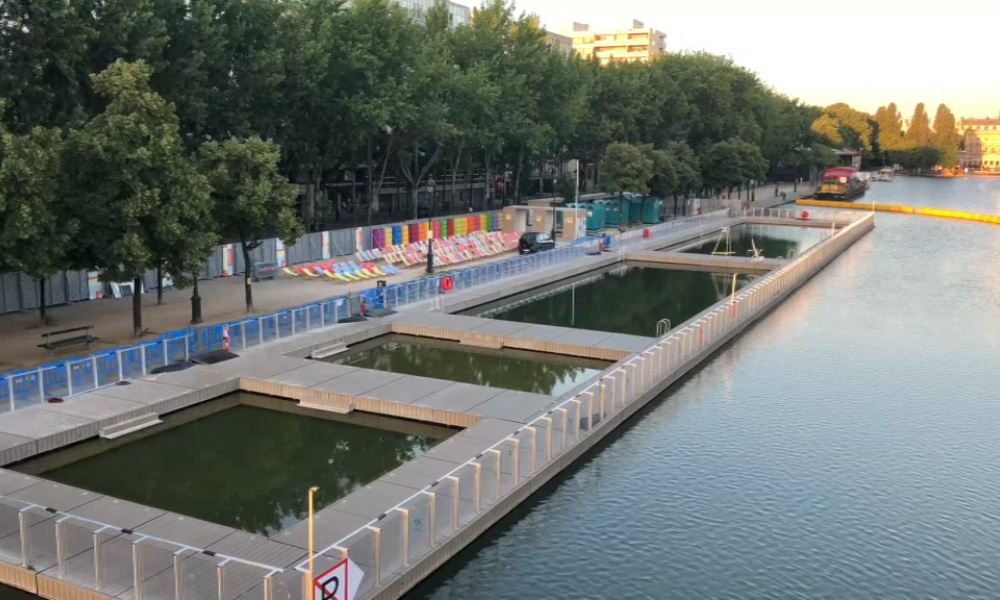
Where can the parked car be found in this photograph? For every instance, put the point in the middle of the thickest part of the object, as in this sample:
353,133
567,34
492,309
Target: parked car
535,242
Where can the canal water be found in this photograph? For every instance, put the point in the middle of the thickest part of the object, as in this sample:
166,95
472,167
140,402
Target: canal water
845,446
623,299
773,241
244,461
538,372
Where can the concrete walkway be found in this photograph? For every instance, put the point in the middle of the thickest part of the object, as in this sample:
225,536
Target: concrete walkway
221,300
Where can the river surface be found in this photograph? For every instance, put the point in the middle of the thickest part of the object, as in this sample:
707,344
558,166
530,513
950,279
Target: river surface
843,447
507,368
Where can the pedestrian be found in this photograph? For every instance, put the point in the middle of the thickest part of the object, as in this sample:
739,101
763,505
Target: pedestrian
776,189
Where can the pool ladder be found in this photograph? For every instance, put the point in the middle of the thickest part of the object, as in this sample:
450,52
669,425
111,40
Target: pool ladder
662,327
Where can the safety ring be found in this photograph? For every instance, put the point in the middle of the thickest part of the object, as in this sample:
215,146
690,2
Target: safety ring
446,283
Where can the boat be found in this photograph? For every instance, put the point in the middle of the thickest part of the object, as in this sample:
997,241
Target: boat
840,183
884,174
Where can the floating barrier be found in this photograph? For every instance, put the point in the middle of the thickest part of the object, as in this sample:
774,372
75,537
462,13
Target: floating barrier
902,208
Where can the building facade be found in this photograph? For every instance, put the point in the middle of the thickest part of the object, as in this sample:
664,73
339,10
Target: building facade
560,42
458,14
637,43
980,139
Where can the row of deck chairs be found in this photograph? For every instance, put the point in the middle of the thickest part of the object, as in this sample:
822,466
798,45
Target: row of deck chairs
447,251
344,272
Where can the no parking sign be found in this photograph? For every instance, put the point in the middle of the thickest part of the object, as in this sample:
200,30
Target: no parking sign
339,582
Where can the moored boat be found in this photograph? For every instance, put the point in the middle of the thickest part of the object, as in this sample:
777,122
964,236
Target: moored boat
840,183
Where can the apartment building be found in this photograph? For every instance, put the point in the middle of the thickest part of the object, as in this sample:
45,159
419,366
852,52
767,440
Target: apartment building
637,43
980,144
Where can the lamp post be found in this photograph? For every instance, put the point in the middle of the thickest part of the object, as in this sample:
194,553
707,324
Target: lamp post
430,249
312,492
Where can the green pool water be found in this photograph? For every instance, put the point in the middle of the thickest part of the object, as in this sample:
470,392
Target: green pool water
624,299
773,241
507,368
244,461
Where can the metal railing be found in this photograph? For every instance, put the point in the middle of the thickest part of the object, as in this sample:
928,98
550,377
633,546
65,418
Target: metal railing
26,387
112,559
387,545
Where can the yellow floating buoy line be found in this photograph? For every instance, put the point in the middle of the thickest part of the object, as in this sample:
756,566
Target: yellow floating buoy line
902,208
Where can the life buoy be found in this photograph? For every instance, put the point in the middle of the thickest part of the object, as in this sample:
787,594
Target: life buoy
447,283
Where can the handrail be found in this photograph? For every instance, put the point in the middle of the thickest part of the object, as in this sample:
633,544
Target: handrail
726,310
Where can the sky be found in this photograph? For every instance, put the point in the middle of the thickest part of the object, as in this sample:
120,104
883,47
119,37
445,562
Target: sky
864,53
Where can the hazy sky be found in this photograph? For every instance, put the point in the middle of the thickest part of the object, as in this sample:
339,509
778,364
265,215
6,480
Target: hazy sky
865,53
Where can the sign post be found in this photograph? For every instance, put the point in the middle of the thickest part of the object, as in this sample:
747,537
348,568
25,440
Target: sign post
339,582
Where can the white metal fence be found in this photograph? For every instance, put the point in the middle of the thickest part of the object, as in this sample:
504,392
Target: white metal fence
386,546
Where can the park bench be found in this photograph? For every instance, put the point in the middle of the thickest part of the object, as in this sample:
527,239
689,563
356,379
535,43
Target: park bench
67,337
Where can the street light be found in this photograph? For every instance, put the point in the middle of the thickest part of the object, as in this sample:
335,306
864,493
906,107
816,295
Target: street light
312,492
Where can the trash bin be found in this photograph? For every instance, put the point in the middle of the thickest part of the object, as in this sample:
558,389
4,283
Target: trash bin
607,241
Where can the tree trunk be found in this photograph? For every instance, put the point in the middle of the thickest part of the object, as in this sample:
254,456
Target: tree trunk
41,304
248,276
159,285
137,306
371,182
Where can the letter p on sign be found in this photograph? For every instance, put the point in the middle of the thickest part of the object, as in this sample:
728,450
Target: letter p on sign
339,582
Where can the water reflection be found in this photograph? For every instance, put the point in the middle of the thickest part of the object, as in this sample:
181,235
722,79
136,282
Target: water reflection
505,368
627,299
856,459
246,466
773,241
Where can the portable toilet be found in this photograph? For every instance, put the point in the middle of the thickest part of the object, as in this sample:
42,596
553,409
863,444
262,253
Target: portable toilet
635,204
612,212
595,215
651,210
624,205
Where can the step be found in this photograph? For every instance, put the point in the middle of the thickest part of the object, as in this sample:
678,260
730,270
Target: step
328,351
129,425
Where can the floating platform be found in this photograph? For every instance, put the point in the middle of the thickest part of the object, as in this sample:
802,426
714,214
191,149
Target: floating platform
66,543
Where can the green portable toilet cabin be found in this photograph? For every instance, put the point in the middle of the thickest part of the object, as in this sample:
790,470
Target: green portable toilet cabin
651,210
595,215
612,212
634,202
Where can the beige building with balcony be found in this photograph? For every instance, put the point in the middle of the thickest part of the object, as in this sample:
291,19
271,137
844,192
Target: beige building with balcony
560,42
637,43
980,144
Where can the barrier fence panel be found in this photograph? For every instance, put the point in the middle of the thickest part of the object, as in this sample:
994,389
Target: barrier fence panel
455,499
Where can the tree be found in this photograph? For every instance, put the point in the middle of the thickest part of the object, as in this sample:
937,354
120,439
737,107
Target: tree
687,167
138,197
665,177
946,136
250,198
34,227
920,157
425,125
722,165
827,126
43,62
890,128
919,131
626,167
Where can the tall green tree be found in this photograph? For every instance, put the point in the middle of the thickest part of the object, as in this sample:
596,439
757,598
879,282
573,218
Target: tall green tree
946,136
918,133
890,128
250,199
35,228
44,55
626,168
137,194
